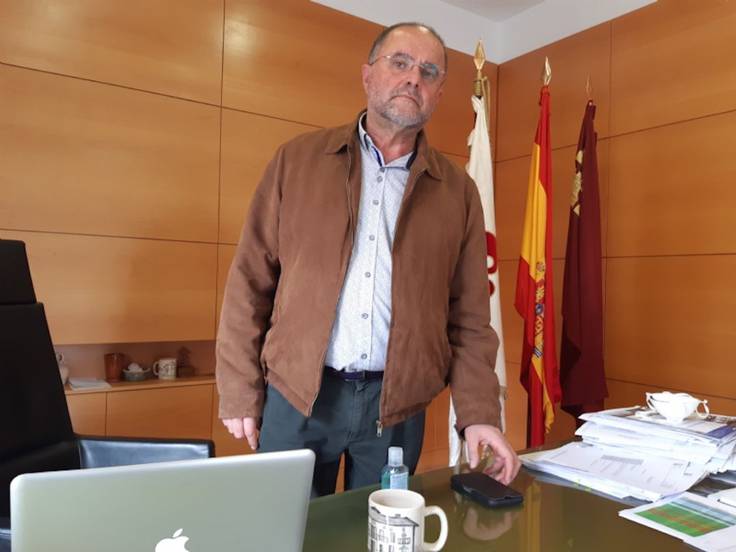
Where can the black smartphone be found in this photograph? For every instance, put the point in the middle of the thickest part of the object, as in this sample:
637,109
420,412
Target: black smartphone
485,490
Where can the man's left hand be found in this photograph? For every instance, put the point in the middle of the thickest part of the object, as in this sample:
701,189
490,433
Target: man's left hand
506,463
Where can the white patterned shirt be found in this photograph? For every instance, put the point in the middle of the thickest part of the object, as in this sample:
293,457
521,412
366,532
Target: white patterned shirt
360,332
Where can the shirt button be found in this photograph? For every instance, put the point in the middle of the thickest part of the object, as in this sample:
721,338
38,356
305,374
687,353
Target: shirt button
367,274
372,237
375,202
383,169
364,356
379,179
364,315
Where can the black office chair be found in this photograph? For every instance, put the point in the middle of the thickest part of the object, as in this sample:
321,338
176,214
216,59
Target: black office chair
36,431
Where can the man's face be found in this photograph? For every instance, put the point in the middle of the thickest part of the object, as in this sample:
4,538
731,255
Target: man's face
405,99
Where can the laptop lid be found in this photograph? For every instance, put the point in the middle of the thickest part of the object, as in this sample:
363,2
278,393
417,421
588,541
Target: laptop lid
251,502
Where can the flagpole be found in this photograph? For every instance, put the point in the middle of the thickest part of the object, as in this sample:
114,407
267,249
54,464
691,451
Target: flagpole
480,169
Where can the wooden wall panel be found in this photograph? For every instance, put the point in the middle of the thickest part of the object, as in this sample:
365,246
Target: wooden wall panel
672,61
175,412
111,290
572,60
454,117
89,158
295,60
275,66
512,181
225,254
516,406
172,46
458,160
672,189
625,393
88,413
669,322
249,142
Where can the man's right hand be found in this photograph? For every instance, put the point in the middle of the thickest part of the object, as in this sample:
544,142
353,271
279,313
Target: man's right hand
243,427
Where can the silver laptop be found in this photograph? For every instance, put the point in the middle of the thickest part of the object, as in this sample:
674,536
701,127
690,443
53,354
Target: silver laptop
238,503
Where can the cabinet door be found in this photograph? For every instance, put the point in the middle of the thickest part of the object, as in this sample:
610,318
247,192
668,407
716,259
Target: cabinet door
225,444
174,412
88,413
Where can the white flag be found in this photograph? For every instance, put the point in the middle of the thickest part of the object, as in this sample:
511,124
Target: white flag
480,169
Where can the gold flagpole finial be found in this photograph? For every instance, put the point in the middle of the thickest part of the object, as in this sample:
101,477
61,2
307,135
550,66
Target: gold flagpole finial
589,89
547,72
479,59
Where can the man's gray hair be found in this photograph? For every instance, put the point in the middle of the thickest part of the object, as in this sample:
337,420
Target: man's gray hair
388,30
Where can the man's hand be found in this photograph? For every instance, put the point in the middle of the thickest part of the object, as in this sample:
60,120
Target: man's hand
505,462
243,427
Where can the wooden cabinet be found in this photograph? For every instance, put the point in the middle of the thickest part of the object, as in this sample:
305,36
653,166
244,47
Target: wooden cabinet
87,412
175,412
185,408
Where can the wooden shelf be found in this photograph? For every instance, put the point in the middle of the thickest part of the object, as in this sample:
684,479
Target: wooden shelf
154,383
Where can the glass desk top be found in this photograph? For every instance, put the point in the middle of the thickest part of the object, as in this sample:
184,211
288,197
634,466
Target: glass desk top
554,516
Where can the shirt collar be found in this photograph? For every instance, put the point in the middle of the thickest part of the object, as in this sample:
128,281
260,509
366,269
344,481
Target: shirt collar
403,162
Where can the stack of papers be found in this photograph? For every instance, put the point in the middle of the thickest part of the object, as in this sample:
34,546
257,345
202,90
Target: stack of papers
616,472
88,383
710,442
634,452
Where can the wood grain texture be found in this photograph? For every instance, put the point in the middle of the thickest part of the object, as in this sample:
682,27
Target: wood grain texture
225,254
181,413
672,189
113,290
87,413
516,407
249,142
294,60
672,61
512,181
172,47
572,60
454,117
668,322
89,158
300,61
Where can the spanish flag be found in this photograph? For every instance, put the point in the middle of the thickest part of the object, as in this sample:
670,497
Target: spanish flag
539,371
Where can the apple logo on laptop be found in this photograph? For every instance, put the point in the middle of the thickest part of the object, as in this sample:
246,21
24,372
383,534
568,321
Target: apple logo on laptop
177,543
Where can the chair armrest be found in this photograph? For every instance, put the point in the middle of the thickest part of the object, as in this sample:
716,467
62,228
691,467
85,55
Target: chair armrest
97,452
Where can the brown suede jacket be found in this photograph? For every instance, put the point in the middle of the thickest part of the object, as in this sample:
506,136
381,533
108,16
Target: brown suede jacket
285,280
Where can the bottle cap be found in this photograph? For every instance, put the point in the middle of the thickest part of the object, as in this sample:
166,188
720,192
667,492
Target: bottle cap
395,456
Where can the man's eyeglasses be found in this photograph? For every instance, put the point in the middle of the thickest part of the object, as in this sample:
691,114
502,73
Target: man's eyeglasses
403,63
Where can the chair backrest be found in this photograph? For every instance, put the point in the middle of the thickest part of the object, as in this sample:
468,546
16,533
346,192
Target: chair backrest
36,431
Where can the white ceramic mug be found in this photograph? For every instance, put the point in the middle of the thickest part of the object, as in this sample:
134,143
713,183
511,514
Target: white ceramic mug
675,407
396,519
165,368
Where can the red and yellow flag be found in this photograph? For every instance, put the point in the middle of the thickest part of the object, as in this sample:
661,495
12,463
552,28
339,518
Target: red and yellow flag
534,302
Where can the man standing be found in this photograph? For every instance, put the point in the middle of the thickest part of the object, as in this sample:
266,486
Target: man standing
358,290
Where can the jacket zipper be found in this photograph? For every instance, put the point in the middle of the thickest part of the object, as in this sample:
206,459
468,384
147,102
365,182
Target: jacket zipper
379,423
342,280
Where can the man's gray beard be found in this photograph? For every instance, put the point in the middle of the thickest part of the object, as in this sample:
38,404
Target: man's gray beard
391,113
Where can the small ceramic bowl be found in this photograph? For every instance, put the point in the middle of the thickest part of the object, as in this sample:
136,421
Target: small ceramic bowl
137,375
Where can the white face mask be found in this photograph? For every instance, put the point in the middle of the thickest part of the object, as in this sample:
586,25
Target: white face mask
675,407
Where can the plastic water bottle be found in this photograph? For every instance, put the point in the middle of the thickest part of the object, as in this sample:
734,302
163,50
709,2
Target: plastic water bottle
395,475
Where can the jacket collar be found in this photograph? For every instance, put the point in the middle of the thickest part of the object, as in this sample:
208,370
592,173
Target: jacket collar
346,136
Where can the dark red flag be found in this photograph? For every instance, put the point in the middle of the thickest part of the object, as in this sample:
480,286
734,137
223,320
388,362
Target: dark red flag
582,377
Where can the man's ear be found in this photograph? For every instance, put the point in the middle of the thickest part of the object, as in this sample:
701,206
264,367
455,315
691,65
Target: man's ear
365,71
